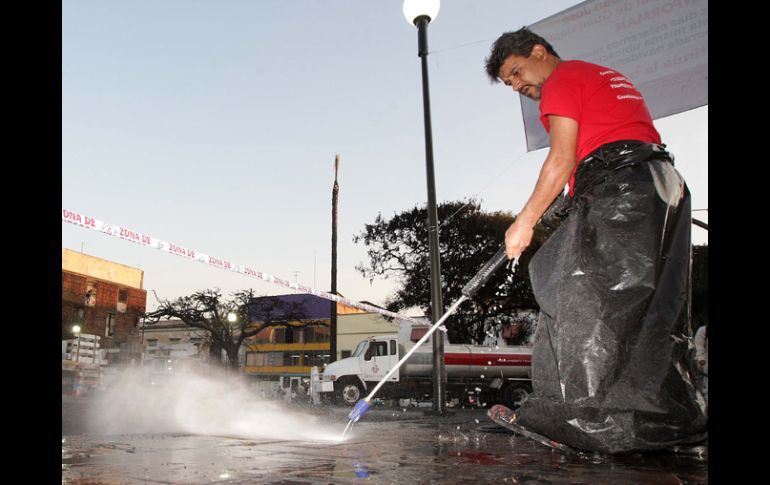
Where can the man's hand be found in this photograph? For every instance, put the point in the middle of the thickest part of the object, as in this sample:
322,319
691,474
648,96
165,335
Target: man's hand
517,238
554,175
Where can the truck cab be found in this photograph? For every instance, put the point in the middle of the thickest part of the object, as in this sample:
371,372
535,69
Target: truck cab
372,358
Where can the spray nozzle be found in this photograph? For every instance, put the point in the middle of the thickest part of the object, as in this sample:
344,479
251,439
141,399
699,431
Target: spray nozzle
358,410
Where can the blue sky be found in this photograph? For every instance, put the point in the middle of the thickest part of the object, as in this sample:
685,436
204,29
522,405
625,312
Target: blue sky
214,125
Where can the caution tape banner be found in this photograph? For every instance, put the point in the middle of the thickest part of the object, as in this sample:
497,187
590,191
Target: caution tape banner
152,242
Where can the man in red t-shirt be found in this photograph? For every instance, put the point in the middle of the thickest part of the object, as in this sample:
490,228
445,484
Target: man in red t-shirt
612,368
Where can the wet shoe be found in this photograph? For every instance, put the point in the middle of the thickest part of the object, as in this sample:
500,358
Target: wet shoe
498,412
507,418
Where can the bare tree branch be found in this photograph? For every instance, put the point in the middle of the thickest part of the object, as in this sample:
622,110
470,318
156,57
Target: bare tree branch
208,311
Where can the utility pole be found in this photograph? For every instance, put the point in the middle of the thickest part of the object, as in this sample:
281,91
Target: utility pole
333,326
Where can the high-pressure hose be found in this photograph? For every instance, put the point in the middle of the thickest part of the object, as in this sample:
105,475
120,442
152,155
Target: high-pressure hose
468,291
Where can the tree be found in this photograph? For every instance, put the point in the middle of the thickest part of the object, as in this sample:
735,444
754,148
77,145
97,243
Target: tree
468,237
207,310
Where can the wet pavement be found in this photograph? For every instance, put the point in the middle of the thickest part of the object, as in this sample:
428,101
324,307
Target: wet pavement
389,446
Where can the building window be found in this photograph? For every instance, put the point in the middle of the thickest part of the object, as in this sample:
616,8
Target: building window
322,333
265,359
274,358
175,340
78,318
152,342
90,294
110,325
318,358
263,337
122,299
316,334
282,335
258,359
290,335
291,358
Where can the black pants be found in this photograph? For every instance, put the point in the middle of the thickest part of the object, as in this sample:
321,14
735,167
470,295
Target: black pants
612,366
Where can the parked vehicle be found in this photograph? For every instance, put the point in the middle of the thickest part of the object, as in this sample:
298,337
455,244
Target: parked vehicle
475,373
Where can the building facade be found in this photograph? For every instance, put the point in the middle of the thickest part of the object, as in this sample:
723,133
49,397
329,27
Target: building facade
105,299
173,339
296,336
170,346
353,327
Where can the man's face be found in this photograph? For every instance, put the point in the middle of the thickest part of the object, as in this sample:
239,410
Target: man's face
525,75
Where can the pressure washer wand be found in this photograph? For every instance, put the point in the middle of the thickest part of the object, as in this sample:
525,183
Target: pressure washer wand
470,289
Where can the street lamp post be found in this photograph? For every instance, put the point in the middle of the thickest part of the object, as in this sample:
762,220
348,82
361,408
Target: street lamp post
231,318
76,331
420,13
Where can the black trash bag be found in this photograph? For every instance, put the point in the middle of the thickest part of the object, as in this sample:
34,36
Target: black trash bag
613,366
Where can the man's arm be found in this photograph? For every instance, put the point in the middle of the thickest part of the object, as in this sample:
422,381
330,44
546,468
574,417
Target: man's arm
554,175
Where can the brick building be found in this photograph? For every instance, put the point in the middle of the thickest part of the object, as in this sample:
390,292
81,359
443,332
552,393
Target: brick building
106,299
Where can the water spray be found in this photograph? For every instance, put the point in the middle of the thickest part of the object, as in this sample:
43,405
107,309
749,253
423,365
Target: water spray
470,289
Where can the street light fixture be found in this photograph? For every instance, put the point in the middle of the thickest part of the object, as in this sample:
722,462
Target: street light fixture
232,318
414,9
420,13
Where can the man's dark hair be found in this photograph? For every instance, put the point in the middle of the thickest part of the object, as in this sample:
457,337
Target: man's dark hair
518,43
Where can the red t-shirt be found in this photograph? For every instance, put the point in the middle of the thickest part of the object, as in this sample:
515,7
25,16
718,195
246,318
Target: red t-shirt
605,104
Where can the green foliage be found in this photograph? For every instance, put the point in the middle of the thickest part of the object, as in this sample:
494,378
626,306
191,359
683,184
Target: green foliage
398,248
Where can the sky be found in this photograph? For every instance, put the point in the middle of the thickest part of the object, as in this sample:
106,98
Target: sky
214,125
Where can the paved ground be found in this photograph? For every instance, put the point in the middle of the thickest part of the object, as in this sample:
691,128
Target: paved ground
389,446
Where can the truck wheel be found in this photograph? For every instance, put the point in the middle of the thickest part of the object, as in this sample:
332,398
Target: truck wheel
514,395
349,391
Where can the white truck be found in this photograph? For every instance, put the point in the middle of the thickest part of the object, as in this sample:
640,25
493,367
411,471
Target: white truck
475,373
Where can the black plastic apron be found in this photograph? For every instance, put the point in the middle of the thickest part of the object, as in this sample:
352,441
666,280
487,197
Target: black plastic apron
613,368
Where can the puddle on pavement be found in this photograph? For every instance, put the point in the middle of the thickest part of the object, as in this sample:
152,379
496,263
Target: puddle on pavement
383,449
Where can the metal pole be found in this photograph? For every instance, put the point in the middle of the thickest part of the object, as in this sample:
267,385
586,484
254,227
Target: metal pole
333,322
437,305
700,224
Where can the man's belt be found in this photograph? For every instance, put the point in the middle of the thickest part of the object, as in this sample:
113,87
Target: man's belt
612,156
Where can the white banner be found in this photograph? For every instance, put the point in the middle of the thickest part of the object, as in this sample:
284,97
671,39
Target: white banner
146,240
660,45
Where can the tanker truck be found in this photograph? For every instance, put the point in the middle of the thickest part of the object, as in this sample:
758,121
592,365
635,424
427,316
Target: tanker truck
475,373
